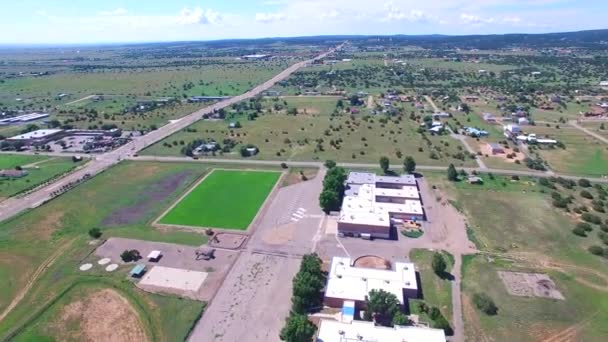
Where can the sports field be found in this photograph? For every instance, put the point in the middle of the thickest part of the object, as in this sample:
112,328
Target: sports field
225,199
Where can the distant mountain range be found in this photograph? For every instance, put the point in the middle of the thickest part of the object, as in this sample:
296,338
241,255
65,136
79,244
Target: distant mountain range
593,39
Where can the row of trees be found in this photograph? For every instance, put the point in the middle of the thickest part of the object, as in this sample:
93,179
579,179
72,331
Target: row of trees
330,198
307,296
409,164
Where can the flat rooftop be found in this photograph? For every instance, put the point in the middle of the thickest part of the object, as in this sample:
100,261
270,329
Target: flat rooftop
371,178
360,331
355,283
41,133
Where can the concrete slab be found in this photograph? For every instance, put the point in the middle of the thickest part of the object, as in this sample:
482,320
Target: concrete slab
174,278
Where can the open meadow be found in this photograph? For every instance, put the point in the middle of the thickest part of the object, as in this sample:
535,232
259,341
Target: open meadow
517,228
224,199
41,249
315,132
583,155
39,170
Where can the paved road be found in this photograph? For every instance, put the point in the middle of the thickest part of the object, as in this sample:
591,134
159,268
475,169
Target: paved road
575,124
13,206
530,173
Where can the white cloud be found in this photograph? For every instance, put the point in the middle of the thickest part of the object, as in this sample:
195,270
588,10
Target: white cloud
475,19
332,14
118,11
198,16
511,20
394,13
270,17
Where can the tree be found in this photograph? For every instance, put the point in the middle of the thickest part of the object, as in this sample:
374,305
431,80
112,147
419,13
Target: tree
409,164
400,319
95,233
329,201
452,173
308,284
330,164
384,164
130,255
485,303
438,264
382,306
297,329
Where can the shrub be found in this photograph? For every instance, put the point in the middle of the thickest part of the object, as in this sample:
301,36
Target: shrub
585,183
284,165
579,231
586,194
584,226
95,233
485,303
591,218
130,255
596,250
604,227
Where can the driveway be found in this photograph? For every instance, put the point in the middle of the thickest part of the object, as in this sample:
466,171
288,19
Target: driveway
255,298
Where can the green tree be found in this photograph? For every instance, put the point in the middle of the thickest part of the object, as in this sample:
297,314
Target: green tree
452,173
439,265
330,164
381,307
409,164
297,329
95,233
400,319
485,303
384,164
329,201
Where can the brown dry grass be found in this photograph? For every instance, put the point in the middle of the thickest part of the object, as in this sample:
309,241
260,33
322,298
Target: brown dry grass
102,316
371,261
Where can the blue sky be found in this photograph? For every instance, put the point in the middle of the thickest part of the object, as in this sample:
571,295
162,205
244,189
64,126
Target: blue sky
80,21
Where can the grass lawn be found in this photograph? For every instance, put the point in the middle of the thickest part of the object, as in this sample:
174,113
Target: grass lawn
10,161
515,222
43,170
435,290
584,155
122,201
225,199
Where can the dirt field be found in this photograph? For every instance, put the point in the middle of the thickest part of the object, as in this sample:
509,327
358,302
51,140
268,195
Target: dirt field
101,316
530,285
370,261
246,307
228,240
135,212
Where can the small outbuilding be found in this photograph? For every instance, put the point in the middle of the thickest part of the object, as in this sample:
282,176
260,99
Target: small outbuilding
138,271
475,180
155,256
496,148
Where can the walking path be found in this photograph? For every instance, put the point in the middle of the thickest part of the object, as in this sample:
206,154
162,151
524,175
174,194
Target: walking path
587,131
458,323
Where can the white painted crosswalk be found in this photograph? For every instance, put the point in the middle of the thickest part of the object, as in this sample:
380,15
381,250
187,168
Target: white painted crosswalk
299,214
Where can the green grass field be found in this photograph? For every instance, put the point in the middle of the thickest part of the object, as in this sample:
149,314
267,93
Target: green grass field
41,170
123,201
225,199
435,290
584,155
516,224
280,136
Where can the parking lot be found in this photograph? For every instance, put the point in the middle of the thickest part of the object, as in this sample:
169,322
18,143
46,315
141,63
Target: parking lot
174,256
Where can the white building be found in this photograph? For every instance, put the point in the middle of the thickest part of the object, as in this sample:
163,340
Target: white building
41,136
360,331
348,283
513,128
371,203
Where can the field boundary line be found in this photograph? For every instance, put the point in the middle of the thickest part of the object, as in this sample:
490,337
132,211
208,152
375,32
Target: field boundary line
180,198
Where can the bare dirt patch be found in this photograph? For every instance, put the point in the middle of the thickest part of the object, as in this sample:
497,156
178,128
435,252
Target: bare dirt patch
298,176
308,111
279,235
372,261
102,316
147,201
485,150
227,240
530,285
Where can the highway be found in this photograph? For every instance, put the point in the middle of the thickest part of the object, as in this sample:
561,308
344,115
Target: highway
13,206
